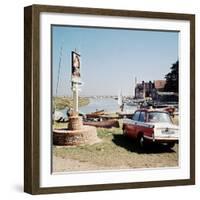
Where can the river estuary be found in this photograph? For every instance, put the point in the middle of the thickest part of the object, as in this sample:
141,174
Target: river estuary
107,104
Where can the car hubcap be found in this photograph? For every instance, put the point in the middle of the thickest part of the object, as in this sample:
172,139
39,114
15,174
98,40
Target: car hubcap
141,141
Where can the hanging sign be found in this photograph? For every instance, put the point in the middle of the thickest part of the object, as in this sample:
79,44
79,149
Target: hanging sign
76,76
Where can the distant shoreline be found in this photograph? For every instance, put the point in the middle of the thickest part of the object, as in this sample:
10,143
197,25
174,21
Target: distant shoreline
63,102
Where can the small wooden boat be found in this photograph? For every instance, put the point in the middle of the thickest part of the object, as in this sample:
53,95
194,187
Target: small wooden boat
168,108
108,117
96,114
125,115
103,124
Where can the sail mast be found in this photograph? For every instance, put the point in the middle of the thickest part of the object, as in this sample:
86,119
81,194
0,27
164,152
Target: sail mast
58,75
59,67
120,97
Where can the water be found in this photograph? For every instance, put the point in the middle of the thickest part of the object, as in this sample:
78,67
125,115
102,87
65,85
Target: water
106,104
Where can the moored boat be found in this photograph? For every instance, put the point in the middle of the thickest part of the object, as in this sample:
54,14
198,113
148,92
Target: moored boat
103,124
96,114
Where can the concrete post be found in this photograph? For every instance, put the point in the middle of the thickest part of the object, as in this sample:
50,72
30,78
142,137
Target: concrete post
75,97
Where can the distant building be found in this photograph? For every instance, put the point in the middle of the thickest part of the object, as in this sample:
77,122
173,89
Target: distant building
149,89
159,85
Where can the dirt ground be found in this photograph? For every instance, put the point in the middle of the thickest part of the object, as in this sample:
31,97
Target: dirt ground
115,151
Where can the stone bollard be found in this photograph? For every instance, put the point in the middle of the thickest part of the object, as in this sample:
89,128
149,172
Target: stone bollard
75,123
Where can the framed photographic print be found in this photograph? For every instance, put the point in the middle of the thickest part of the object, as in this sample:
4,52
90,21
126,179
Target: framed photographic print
109,99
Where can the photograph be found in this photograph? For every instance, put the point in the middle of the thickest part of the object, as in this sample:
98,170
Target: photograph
109,99
114,99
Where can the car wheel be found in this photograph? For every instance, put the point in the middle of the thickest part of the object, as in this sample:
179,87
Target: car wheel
171,144
124,132
141,141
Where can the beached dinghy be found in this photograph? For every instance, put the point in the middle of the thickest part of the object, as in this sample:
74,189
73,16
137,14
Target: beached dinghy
103,124
96,114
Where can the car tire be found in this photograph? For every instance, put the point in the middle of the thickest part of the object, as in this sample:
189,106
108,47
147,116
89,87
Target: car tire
171,144
124,132
141,141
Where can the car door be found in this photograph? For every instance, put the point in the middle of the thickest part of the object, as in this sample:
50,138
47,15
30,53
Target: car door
131,127
140,126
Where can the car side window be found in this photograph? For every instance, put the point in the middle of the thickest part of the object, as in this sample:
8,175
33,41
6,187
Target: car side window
136,116
142,116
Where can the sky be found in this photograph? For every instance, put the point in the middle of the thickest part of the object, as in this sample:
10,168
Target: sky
111,58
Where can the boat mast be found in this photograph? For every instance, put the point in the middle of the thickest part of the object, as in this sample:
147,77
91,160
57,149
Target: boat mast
120,100
134,87
58,75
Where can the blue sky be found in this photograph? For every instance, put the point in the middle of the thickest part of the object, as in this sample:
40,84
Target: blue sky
111,58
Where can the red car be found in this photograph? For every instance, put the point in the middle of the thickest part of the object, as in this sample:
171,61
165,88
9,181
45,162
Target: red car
151,126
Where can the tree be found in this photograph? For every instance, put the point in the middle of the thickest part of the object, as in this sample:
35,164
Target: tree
172,78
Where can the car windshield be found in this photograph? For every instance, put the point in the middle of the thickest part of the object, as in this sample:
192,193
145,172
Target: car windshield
159,117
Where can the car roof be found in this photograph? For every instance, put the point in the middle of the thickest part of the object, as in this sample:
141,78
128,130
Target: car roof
151,110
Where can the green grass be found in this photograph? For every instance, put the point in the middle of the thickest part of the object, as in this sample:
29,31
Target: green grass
116,151
57,125
104,132
96,153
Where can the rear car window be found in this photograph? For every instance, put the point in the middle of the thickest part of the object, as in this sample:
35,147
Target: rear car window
159,117
142,116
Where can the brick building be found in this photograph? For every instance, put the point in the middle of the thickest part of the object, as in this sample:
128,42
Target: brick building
149,89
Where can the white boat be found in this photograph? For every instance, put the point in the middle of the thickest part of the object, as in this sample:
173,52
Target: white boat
120,98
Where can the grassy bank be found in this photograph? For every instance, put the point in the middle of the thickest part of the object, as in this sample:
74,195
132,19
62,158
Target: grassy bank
115,151
63,102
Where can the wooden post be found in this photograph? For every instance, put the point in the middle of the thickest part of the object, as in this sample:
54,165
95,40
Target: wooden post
75,97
